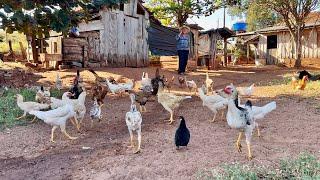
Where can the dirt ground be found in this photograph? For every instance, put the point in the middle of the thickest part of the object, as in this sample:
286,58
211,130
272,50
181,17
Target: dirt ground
101,152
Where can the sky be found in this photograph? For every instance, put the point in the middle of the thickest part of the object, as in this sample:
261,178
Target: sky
214,21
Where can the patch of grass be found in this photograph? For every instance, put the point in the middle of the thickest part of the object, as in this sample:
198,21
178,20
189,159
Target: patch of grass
305,166
56,93
9,109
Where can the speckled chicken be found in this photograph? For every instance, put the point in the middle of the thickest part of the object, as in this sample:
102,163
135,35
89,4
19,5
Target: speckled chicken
95,111
133,121
240,118
43,95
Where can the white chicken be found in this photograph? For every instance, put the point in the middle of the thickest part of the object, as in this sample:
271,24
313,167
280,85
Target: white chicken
214,102
248,91
242,118
95,111
57,118
78,104
191,85
209,83
259,113
145,80
120,87
26,107
55,103
133,121
58,82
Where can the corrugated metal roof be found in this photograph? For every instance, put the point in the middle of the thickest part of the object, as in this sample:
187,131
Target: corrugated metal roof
284,28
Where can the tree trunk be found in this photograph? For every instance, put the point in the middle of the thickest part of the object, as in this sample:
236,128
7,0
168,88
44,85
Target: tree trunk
32,41
34,49
298,42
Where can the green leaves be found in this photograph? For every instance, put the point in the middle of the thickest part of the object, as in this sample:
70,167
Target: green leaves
40,16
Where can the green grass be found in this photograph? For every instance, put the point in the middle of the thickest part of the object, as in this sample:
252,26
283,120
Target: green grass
9,109
305,166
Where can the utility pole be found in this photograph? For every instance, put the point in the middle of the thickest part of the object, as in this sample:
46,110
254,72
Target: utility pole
225,50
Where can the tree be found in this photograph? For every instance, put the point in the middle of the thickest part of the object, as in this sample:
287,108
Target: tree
35,18
293,13
257,16
174,12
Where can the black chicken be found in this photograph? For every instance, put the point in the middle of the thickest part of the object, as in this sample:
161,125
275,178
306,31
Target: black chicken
76,89
182,136
310,76
155,82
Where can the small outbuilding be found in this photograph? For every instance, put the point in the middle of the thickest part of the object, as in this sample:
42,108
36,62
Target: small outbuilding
113,37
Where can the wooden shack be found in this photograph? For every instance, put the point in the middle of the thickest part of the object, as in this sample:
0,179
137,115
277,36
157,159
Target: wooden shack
114,37
275,44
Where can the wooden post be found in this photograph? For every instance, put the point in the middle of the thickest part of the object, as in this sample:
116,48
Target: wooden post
225,53
248,52
23,51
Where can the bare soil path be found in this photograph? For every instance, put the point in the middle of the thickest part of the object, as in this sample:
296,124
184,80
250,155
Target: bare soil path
26,153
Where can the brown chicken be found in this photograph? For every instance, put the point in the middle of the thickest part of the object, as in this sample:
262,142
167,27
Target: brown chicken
182,81
169,83
299,84
99,92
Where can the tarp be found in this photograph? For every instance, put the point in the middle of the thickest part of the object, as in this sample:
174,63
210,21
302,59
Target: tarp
162,40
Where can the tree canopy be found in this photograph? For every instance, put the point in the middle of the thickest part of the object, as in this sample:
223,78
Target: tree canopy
257,16
39,16
176,12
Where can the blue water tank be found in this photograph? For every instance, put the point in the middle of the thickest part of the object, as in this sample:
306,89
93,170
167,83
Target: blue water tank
239,26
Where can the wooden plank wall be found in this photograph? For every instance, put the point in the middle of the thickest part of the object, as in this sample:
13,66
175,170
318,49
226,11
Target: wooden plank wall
286,45
124,39
262,46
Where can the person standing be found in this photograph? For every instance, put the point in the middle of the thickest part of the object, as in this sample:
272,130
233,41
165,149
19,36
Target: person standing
183,48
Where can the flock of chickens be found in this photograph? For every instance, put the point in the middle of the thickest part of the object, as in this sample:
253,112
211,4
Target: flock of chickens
56,112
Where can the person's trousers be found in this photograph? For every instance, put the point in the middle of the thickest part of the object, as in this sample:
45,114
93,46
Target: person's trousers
183,60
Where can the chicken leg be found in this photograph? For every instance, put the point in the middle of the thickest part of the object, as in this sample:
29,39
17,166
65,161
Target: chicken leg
75,123
34,119
171,118
131,139
238,144
249,151
139,142
214,117
23,115
52,133
63,130
258,130
144,108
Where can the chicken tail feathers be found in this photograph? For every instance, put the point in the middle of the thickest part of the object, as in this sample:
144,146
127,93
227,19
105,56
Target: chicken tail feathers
38,114
92,71
269,107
